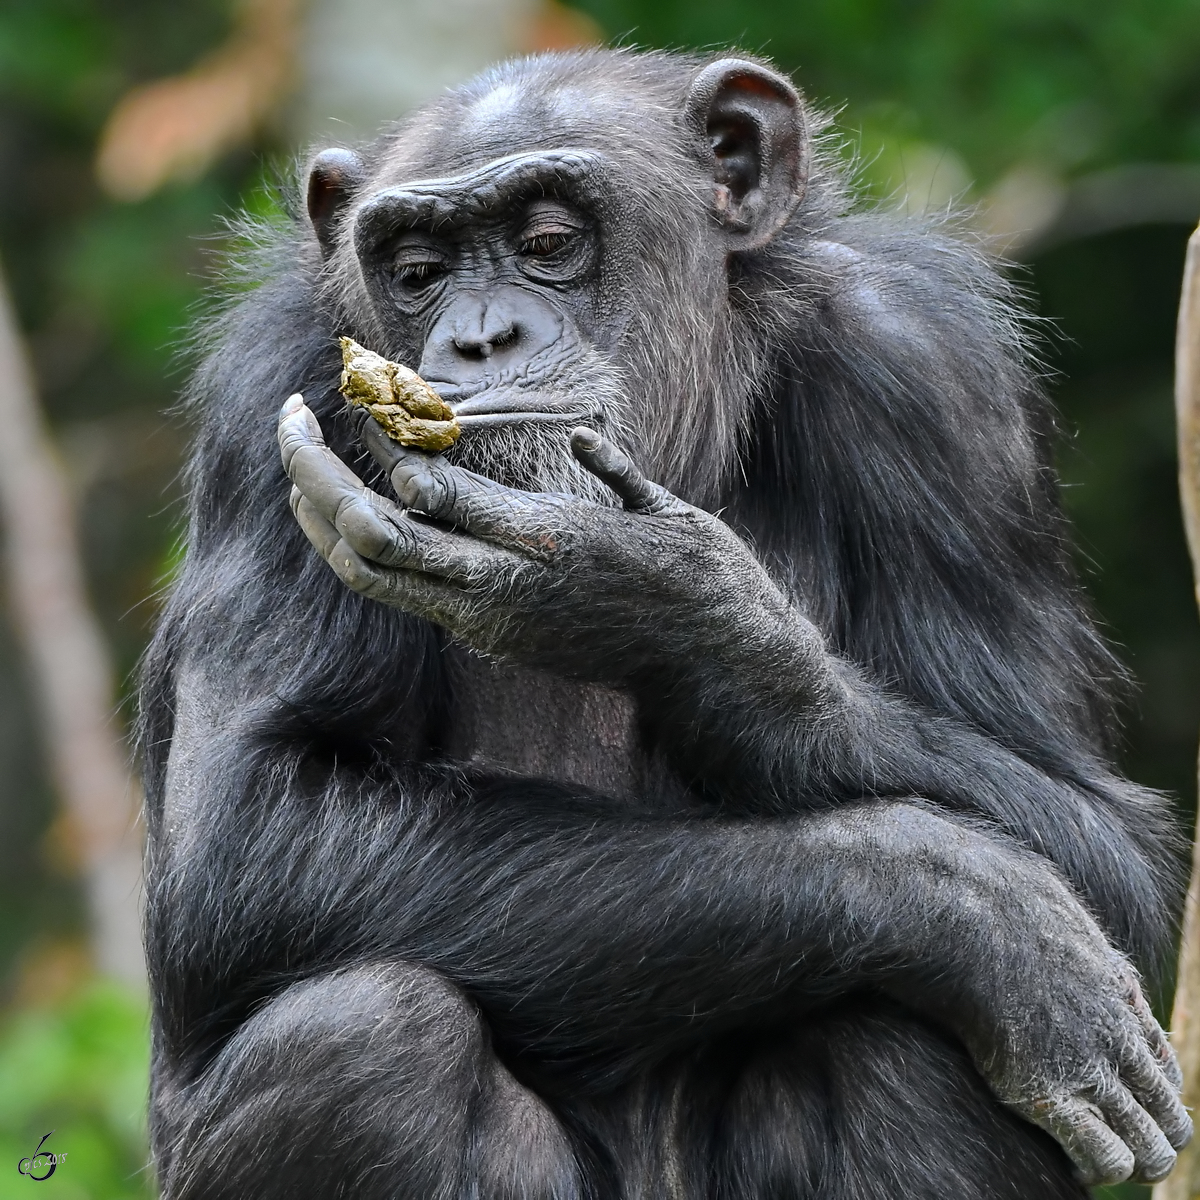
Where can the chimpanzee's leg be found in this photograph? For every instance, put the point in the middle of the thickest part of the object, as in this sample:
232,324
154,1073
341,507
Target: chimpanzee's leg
861,1103
372,1082
868,1103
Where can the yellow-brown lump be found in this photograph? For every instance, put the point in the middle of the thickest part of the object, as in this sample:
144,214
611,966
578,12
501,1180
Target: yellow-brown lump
409,410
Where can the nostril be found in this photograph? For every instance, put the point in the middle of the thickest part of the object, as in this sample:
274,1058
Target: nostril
483,346
472,348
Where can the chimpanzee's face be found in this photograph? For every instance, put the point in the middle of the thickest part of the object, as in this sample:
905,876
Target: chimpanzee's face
558,256
492,277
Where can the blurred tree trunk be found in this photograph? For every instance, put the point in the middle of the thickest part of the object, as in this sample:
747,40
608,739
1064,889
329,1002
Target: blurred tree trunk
68,661
1184,1182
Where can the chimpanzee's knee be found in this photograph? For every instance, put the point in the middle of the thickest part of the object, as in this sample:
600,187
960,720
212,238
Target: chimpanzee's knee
373,1081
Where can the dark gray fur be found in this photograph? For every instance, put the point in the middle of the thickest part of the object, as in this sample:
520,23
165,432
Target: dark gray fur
799,871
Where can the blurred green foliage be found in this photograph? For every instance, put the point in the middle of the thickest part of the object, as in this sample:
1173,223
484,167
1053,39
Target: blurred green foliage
105,291
1085,83
79,1068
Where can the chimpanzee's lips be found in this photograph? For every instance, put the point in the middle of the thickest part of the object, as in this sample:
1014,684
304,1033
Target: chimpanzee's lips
483,404
456,393
479,420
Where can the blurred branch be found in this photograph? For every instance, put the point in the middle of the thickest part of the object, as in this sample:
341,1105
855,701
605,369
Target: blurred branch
1184,1182
1033,209
69,662
174,128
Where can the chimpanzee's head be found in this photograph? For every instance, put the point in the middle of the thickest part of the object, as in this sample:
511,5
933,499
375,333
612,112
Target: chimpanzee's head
551,245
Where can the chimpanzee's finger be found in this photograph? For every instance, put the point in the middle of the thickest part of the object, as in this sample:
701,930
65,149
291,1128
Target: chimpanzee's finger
1160,1045
1142,1073
617,469
411,591
1099,1155
373,540
377,531
473,503
1152,1153
297,427
310,465
318,530
328,492
386,451
333,490
380,532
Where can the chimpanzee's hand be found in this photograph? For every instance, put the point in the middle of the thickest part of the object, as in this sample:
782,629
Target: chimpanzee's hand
1064,1036
550,579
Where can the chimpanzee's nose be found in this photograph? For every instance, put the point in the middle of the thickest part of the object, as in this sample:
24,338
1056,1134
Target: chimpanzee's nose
495,329
480,334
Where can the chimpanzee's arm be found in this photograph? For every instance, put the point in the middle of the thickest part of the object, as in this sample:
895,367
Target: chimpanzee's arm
594,942
665,599
885,893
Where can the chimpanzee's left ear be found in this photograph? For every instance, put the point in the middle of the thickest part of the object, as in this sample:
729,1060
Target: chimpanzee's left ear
748,123
333,177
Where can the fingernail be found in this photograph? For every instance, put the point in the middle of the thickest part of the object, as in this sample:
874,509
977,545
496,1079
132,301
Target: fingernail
585,439
292,404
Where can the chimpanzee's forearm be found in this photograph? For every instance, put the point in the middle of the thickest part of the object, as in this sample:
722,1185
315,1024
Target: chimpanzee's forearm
591,941
782,722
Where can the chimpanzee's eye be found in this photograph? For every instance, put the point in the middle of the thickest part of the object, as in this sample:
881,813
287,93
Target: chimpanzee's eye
416,265
418,273
552,242
545,242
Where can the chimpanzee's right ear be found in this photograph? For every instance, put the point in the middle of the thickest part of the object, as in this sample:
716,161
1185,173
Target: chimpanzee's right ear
333,177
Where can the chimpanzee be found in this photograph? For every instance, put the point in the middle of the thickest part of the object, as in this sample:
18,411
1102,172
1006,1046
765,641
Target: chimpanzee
696,782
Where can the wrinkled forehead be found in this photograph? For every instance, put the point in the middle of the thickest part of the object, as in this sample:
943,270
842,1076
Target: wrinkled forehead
481,154
509,111
484,193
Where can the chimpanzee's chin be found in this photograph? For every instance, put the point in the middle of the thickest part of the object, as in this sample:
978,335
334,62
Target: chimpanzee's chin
534,456
529,444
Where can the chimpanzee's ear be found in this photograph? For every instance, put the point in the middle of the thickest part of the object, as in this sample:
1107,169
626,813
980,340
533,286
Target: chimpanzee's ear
332,178
748,124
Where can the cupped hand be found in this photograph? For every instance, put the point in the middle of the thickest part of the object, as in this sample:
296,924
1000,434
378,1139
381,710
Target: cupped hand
551,579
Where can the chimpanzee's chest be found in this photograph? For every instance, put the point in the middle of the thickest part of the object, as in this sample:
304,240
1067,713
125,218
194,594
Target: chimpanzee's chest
530,722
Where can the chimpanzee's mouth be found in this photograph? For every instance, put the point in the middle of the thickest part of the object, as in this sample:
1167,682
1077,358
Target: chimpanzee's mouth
457,393
479,405
526,417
